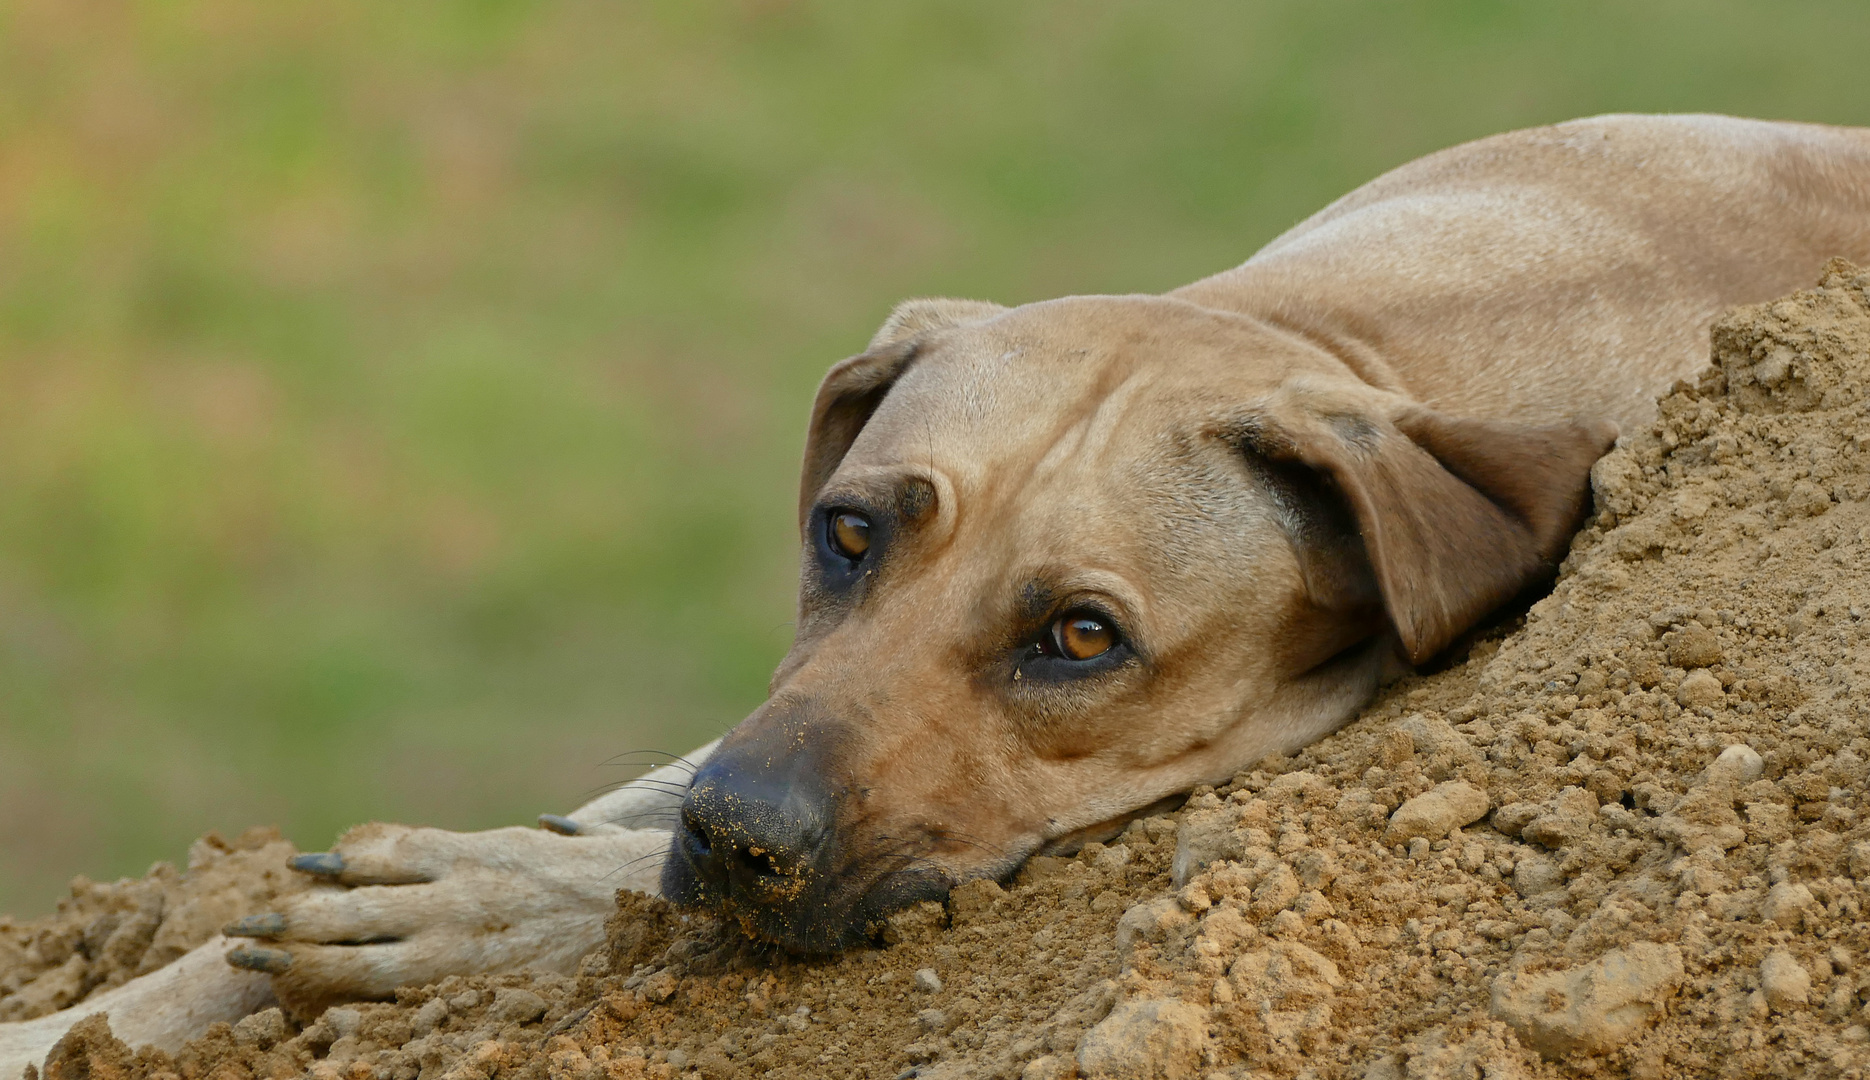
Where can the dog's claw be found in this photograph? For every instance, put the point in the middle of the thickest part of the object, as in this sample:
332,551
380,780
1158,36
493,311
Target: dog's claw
270,924
266,961
321,863
563,826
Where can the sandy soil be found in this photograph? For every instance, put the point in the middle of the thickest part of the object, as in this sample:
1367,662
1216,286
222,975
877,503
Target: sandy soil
1627,836
105,934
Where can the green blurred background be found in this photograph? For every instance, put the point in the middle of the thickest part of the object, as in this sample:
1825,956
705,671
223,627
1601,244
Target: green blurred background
399,402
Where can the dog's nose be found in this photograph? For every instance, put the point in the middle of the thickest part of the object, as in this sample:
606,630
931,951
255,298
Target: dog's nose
756,826
774,834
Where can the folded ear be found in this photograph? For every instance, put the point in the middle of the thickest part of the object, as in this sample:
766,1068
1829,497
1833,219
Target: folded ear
1456,515
914,317
853,388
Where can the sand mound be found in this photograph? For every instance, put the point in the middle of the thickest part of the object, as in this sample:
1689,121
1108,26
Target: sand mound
105,934
1628,838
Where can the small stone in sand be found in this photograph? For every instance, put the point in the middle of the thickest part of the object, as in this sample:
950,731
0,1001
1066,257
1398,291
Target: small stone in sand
1784,981
1593,1008
1146,1040
1437,812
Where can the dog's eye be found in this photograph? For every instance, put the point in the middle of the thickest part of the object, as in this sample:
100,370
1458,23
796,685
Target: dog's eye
1082,636
849,534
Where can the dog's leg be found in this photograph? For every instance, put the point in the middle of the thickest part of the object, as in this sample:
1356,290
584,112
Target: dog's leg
403,906
165,1008
407,906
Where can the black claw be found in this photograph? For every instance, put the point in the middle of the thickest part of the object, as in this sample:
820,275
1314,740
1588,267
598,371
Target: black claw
563,826
322,863
270,924
266,961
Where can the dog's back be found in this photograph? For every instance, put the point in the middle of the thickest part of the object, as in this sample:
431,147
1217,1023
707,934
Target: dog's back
1565,270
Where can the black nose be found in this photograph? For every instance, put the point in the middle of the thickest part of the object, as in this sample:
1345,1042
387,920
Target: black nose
756,831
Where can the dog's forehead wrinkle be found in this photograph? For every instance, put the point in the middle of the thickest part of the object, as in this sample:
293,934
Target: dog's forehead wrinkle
1085,439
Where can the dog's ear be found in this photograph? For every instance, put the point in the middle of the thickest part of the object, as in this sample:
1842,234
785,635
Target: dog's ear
1456,515
852,390
912,318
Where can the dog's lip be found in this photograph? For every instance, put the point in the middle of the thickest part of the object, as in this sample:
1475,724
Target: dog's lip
813,912
854,922
1067,841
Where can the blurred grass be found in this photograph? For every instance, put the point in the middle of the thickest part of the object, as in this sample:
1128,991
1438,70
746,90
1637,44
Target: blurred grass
399,402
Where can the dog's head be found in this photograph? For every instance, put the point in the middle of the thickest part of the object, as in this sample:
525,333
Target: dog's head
1066,560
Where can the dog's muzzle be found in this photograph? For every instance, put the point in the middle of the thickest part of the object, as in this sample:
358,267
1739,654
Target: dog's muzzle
759,841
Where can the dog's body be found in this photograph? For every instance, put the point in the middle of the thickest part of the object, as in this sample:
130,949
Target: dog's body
1067,559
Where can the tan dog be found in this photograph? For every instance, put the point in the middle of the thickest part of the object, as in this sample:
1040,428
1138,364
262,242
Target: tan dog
1065,560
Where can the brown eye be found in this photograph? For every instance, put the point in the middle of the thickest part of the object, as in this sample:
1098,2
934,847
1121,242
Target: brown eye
850,534
1082,637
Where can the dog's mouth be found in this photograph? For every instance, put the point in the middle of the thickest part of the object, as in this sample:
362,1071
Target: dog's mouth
1072,842
826,897
817,906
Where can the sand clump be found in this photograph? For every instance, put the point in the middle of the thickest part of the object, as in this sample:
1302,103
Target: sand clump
1628,837
106,933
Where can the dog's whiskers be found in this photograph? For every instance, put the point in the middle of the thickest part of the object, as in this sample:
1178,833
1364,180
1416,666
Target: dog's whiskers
632,864
669,759
971,841
674,786
650,766
904,853
665,814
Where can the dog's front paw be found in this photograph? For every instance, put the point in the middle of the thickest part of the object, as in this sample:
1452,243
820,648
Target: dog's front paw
407,906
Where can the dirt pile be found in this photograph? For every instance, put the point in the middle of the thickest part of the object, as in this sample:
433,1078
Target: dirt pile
105,934
1628,838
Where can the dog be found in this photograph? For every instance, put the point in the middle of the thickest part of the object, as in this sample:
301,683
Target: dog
1067,560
